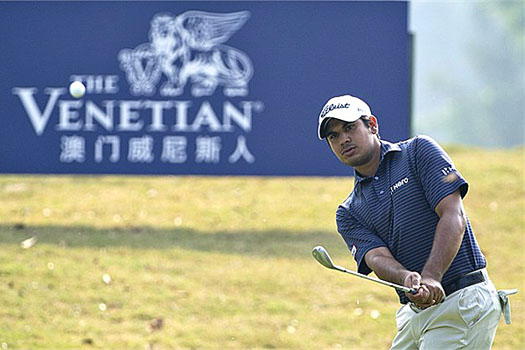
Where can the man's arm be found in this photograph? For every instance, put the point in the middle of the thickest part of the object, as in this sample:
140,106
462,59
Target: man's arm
447,240
386,267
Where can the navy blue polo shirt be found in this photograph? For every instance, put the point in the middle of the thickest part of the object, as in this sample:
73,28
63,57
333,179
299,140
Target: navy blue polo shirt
396,208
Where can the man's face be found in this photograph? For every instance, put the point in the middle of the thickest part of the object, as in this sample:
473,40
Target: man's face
353,143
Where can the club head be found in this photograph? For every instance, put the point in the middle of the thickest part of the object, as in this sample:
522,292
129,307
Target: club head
321,255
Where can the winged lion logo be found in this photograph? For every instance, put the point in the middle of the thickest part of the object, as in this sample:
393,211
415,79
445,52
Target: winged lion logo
189,49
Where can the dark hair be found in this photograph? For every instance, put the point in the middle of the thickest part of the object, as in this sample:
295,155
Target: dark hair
366,121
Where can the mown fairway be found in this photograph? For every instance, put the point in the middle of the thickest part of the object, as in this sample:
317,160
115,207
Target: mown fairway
217,263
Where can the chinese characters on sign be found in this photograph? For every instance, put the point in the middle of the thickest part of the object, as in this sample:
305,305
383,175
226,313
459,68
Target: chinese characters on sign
174,149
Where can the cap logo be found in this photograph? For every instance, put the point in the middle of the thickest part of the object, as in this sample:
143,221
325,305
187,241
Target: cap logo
333,106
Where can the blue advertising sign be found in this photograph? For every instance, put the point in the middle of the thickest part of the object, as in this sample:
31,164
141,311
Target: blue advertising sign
202,88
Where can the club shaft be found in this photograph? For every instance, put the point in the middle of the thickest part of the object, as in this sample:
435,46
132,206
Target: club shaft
386,283
321,255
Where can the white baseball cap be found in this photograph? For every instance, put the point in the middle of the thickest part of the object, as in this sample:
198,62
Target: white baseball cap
346,108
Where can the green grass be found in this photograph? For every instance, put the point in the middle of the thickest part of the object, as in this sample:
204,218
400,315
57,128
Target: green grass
224,262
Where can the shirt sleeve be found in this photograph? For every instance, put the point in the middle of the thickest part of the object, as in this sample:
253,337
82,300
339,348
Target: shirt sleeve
436,171
358,238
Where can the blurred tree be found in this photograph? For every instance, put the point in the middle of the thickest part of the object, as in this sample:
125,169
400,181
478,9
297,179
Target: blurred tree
484,105
511,15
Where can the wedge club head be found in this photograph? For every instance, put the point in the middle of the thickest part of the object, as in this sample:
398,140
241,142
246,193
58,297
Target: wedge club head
321,255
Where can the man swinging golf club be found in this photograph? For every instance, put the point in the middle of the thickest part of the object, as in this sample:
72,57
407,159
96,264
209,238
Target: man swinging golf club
405,221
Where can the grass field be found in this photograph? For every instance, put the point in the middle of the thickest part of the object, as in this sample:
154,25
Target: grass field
217,263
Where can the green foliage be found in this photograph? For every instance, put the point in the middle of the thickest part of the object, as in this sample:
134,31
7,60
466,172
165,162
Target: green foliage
217,263
510,13
479,94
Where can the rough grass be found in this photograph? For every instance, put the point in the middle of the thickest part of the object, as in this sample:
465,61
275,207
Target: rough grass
217,263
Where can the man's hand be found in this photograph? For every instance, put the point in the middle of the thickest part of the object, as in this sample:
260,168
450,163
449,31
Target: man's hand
423,298
434,287
429,290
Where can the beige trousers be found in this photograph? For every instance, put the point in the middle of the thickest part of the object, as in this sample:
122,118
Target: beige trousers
467,319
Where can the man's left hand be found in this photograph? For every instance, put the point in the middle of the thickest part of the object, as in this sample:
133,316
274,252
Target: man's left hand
437,294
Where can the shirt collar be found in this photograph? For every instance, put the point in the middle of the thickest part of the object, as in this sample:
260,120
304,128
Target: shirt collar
386,147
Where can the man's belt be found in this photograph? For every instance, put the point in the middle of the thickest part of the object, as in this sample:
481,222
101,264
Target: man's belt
464,281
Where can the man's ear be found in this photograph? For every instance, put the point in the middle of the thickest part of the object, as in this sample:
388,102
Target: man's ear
373,125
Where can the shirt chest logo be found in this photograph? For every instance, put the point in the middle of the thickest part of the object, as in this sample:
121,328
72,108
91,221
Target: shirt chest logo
398,184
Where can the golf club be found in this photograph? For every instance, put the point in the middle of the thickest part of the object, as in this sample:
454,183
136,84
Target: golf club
321,255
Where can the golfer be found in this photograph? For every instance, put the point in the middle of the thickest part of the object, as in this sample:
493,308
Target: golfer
405,221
